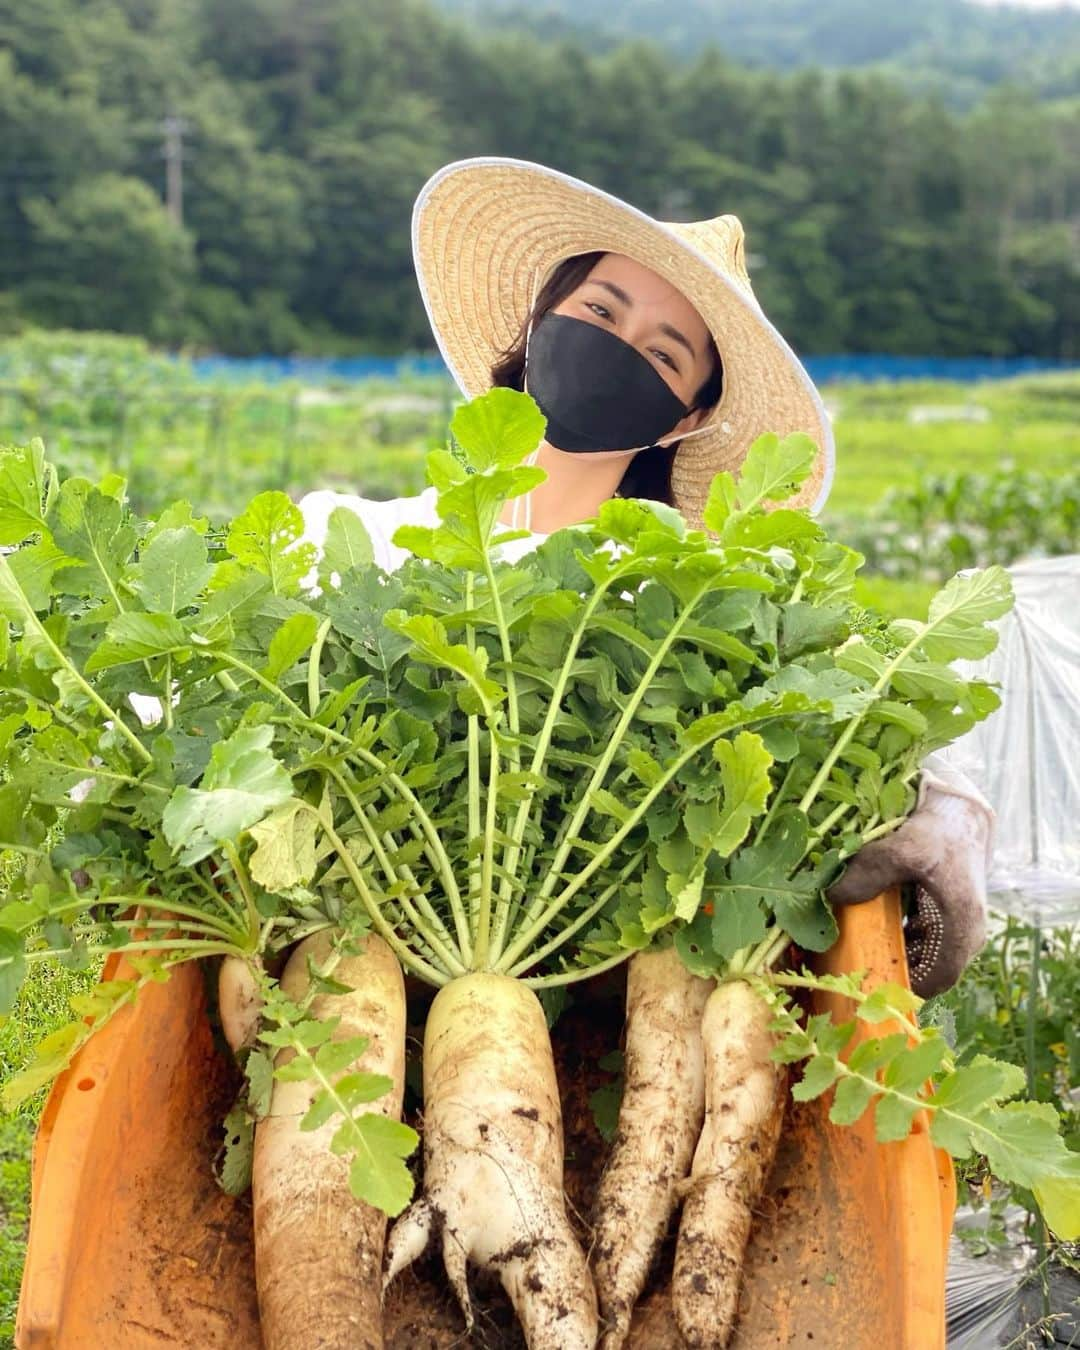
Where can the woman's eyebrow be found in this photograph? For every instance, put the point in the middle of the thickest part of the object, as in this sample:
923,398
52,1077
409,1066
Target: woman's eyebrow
620,294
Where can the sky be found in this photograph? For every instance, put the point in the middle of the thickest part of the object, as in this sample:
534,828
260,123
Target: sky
1034,4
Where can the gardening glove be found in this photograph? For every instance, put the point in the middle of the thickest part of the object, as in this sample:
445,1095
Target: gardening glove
944,848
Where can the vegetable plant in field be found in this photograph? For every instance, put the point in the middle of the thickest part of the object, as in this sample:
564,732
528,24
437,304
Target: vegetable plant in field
957,520
639,742
1017,1002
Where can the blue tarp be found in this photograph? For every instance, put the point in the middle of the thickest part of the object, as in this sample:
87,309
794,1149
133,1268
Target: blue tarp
859,366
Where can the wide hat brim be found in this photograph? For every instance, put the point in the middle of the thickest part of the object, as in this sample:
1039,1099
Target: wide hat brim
487,231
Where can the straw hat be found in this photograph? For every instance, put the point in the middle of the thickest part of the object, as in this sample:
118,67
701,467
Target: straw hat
487,232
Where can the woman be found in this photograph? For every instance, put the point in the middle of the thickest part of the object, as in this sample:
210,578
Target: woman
645,348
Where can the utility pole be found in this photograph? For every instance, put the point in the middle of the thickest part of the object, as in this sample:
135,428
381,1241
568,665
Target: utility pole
674,204
173,128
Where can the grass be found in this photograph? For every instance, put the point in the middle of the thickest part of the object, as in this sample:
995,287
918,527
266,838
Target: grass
40,1008
908,598
15,1138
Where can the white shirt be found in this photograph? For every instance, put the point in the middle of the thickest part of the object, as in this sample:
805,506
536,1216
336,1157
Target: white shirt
381,519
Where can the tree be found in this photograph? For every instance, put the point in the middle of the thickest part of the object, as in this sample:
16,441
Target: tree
106,255
361,279
878,217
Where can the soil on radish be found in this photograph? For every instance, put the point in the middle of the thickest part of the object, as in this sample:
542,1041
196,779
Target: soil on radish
420,1310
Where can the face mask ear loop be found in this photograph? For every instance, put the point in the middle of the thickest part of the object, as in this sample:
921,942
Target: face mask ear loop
685,436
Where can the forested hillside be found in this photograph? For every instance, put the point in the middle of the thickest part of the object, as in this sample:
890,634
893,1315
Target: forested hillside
956,47
878,218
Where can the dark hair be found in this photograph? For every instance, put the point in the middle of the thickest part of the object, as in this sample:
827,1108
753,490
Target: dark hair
649,473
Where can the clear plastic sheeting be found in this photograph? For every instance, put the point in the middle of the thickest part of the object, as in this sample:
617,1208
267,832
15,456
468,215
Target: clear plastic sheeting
996,1299
1025,756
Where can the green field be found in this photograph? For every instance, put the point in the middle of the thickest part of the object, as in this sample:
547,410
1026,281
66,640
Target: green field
218,445
102,400
877,447
1032,423
363,440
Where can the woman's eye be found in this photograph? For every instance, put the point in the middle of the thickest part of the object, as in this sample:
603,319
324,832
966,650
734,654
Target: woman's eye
606,313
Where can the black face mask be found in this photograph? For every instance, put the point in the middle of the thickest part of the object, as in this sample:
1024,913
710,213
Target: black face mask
596,391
